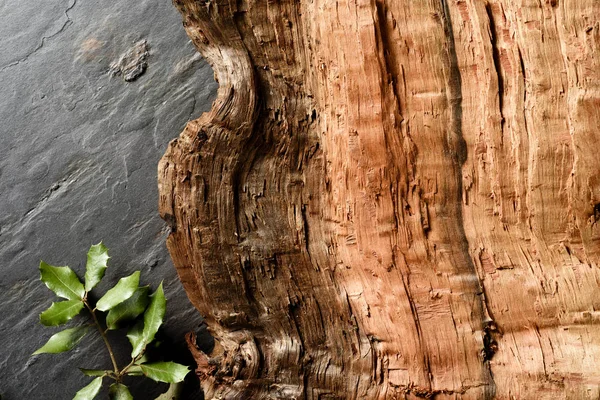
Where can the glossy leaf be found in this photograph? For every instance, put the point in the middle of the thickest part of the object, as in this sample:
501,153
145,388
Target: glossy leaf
135,336
153,318
94,372
173,393
61,312
118,391
123,290
135,370
63,341
90,391
165,371
62,281
97,258
142,359
129,309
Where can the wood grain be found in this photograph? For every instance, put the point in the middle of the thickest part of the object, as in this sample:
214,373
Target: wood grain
393,199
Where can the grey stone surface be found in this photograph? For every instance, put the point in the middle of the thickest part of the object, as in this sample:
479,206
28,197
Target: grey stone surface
79,156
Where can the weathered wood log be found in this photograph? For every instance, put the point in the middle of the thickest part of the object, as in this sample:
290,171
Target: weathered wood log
393,198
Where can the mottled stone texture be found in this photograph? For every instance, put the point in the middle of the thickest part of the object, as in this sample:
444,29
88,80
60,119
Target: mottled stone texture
79,155
393,199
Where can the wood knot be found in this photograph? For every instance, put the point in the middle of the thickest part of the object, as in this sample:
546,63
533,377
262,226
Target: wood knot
490,343
205,367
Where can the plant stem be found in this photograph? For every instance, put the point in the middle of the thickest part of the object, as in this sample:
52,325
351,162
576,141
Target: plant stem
133,360
103,334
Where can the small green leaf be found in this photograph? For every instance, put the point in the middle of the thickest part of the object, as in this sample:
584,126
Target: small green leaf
94,372
62,281
129,309
165,371
90,391
123,290
142,359
135,370
63,341
61,312
97,257
153,318
118,391
135,336
173,393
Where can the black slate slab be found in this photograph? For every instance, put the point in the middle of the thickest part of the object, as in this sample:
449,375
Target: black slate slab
79,152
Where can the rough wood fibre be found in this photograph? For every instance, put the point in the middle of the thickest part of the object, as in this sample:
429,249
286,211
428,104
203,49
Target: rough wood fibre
393,199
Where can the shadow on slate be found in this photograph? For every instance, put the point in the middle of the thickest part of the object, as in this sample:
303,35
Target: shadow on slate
80,148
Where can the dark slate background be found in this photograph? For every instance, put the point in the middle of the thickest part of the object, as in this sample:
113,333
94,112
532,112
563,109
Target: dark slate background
79,156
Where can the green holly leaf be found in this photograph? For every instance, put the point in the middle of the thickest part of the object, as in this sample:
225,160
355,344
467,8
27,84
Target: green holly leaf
135,336
123,290
61,312
135,370
94,372
165,371
63,341
143,359
153,318
129,309
173,393
62,281
97,258
118,391
90,391
142,334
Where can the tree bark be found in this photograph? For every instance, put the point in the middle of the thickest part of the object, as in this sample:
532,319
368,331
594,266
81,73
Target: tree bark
393,199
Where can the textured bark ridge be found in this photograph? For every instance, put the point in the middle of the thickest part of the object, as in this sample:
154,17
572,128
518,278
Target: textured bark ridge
393,199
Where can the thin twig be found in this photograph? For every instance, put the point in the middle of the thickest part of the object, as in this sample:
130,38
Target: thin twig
103,334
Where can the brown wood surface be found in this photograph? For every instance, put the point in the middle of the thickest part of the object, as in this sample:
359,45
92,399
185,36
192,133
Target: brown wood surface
393,199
